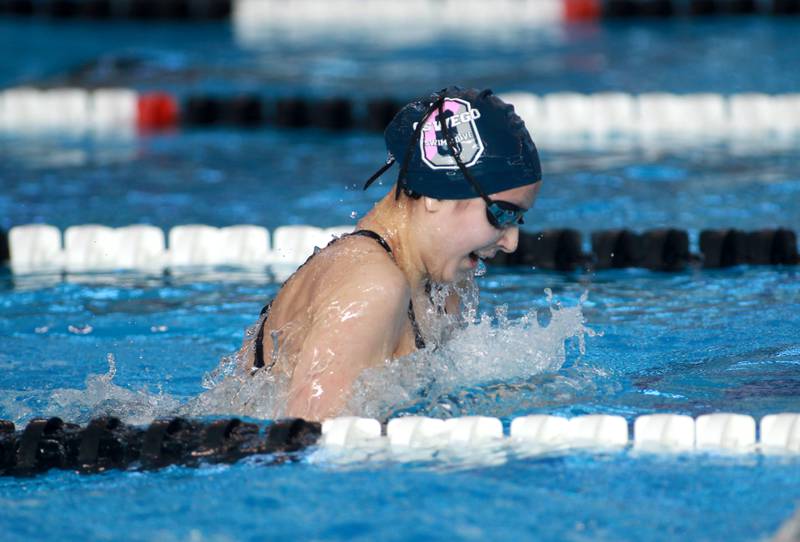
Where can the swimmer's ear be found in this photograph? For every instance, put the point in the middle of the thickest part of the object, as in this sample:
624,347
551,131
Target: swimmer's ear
432,205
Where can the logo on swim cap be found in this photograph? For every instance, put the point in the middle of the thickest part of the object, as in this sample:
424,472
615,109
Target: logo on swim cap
459,118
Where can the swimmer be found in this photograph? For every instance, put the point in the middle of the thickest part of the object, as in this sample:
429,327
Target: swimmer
468,173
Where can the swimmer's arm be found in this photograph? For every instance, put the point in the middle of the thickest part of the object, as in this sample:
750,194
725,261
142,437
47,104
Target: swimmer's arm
355,328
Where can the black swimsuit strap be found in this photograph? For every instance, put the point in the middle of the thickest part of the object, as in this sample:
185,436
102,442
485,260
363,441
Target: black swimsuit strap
419,341
259,359
372,235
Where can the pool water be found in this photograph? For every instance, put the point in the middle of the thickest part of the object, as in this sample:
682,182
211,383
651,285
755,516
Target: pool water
689,343
692,343
727,55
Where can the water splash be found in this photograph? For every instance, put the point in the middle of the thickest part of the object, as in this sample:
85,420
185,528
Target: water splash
484,353
473,365
100,397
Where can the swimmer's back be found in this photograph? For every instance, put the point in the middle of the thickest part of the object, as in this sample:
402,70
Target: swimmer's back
344,310
343,270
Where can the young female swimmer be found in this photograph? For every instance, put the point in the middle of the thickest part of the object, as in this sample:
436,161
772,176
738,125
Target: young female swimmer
468,173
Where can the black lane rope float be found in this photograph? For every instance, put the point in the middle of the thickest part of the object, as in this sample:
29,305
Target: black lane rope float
106,443
678,8
252,110
120,9
665,249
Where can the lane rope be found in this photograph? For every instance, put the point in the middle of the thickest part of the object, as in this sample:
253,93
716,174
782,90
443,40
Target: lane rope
89,248
551,117
106,443
361,13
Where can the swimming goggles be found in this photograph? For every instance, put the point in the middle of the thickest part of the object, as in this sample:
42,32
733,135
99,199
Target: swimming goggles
500,214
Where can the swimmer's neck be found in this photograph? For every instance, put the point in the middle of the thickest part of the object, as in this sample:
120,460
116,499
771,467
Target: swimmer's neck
392,220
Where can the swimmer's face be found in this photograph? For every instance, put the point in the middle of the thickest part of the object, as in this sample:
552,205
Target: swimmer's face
464,234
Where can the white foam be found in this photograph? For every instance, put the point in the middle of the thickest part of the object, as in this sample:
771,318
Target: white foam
100,397
477,353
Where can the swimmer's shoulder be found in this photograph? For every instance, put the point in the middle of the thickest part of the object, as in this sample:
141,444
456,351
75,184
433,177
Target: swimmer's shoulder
356,252
358,268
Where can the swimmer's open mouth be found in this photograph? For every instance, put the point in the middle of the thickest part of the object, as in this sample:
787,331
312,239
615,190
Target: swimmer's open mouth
474,257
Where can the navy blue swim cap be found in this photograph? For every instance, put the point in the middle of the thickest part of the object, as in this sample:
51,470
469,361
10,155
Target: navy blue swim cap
491,141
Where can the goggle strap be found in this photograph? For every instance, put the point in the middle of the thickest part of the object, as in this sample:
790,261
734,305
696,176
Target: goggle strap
389,161
401,177
457,156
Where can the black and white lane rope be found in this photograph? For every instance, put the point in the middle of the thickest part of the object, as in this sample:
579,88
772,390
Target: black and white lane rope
593,117
91,247
106,443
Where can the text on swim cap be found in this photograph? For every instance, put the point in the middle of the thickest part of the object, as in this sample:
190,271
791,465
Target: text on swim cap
454,120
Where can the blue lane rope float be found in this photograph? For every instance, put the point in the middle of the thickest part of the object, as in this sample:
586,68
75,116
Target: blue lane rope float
38,247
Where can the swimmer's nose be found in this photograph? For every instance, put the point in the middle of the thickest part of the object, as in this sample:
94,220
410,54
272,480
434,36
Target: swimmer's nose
510,239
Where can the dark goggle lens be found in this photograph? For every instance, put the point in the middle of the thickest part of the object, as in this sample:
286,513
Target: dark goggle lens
502,214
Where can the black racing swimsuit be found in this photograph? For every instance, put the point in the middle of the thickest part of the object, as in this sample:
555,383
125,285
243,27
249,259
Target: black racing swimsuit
419,342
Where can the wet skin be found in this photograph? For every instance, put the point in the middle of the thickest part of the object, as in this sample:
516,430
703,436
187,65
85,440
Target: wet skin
346,310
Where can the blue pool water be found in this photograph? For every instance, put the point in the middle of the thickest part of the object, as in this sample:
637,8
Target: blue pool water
691,343
749,54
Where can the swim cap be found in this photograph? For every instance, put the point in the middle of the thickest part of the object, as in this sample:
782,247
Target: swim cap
490,140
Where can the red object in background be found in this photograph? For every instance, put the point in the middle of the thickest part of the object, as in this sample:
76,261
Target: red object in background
157,111
581,10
